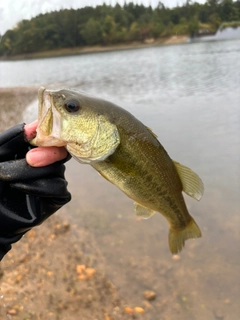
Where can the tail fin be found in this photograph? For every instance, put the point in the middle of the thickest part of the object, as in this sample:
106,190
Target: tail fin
177,237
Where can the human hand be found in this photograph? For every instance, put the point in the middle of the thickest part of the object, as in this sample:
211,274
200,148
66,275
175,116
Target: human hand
28,195
42,156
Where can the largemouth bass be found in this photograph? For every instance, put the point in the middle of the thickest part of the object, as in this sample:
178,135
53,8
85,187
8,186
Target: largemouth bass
125,152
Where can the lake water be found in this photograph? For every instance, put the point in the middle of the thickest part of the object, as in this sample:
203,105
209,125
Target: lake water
190,96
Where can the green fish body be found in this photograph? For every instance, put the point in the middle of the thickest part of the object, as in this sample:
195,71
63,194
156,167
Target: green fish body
125,152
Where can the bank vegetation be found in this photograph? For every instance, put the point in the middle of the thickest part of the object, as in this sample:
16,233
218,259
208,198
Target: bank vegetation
108,25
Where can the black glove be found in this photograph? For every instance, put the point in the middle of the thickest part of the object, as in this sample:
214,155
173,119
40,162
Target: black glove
28,195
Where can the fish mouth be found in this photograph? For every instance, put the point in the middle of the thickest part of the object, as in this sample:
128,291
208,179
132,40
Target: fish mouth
49,122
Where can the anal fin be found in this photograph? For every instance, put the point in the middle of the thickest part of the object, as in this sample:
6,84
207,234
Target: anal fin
142,212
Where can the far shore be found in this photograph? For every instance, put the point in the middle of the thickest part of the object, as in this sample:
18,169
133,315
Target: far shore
94,49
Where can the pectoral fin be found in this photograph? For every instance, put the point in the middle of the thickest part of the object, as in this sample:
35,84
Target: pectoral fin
142,212
192,184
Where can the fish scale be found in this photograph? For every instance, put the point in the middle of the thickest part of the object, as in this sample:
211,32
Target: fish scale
125,152
138,162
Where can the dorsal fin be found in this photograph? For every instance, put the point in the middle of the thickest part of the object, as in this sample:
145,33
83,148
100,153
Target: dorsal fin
152,133
192,184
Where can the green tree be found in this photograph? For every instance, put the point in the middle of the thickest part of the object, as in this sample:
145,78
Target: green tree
193,26
109,28
92,32
227,11
134,32
214,20
108,24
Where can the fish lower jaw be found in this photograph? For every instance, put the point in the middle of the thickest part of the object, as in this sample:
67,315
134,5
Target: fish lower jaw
84,160
48,142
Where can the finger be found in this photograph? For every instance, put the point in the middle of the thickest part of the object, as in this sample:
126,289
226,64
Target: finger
43,156
19,170
30,130
38,187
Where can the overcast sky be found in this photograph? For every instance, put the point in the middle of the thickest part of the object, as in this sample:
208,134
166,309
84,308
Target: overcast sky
13,11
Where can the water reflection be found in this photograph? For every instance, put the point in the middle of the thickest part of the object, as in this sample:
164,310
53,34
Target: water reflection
189,95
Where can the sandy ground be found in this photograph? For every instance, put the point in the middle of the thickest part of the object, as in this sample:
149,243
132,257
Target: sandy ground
176,39
36,284
13,102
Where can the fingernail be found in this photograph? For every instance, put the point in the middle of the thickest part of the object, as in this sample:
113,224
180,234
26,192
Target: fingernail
35,158
30,130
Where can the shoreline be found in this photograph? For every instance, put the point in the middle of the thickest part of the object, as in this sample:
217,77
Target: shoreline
172,40
13,103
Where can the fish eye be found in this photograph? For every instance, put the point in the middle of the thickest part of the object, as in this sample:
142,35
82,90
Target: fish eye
72,106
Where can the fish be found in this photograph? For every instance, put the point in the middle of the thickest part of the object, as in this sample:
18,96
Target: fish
123,151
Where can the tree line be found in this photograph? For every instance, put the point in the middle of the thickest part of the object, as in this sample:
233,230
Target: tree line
108,25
